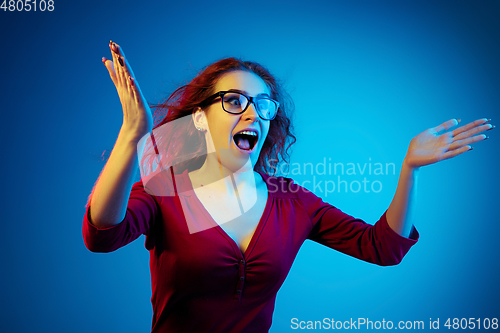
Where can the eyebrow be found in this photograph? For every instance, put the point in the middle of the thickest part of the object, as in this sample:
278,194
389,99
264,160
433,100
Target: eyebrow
246,93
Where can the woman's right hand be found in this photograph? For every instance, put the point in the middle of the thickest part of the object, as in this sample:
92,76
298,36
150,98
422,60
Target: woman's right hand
137,118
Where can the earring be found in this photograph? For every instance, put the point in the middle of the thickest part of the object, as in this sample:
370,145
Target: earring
199,128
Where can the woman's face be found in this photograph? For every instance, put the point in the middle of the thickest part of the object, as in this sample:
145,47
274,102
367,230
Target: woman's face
234,149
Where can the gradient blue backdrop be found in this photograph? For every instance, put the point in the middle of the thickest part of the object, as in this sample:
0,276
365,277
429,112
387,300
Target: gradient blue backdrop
366,77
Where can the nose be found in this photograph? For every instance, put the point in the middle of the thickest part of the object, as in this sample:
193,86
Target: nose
251,112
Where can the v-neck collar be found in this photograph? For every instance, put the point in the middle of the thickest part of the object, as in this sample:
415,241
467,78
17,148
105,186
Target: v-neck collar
187,186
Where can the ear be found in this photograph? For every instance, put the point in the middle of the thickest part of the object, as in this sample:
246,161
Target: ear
199,119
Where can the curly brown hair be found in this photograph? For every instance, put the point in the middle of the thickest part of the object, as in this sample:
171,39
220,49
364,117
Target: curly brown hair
184,101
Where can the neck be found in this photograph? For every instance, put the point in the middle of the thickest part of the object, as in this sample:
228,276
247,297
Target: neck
213,171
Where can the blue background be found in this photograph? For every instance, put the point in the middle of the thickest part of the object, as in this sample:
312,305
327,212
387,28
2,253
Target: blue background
366,77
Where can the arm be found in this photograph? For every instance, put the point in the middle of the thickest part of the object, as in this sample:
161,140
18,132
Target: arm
111,192
427,148
110,195
399,212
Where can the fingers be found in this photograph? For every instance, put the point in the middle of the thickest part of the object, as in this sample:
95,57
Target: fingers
133,89
456,152
467,141
468,134
117,64
446,125
122,60
120,71
472,128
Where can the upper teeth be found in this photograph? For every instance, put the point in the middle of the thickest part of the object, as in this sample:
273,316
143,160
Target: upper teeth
248,133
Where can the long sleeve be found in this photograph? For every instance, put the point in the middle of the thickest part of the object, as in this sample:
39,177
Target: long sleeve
377,244
142,210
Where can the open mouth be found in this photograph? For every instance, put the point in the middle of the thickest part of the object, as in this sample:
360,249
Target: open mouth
246,140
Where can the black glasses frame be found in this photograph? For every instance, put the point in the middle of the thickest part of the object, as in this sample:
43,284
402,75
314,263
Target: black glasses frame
209,100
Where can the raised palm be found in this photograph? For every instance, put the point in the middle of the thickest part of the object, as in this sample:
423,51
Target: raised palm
137,117
430,146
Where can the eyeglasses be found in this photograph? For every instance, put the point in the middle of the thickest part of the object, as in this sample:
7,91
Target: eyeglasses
236,103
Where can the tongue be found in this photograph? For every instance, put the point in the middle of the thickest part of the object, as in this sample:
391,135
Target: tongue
243,143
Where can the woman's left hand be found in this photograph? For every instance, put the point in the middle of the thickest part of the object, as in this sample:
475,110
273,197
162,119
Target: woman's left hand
430,147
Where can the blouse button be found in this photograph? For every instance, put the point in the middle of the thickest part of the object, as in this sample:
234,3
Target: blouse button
242,262
242,278
238,292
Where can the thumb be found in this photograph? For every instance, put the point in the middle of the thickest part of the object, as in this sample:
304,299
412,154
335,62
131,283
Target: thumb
109,65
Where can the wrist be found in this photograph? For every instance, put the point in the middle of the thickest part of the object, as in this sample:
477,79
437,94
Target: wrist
408,167
131,136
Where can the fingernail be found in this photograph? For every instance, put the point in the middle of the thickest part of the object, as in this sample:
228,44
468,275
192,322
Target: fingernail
492,127
488,120
486,137
471,148
120,60
104,60
459,120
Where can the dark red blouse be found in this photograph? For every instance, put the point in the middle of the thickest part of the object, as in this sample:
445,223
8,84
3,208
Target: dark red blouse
202,282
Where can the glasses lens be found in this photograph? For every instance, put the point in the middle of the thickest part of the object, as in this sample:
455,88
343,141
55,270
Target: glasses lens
234,102
266,107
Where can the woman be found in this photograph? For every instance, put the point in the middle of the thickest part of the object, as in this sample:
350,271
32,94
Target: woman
222,234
